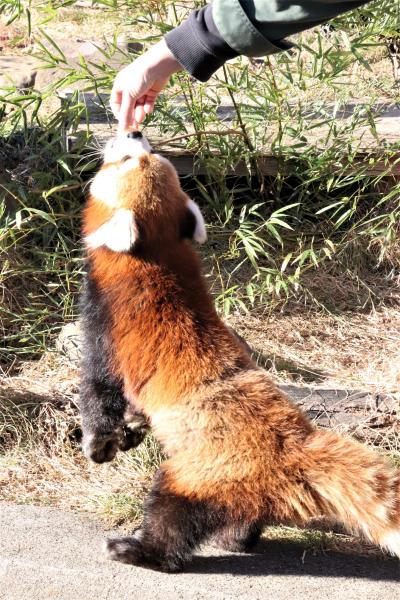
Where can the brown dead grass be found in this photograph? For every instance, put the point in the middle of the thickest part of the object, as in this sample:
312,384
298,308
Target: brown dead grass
13,39
41,462
40,429
73,23
350,350
321,539
40,457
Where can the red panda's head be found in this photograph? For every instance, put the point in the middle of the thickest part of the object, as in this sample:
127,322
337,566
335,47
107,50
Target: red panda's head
136,198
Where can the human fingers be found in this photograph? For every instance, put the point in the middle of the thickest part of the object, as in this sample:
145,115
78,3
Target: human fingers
145,104
148,105
137,85
115,100
126,116
151,95
139,112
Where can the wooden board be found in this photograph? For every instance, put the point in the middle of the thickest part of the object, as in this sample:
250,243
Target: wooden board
372,144
371,417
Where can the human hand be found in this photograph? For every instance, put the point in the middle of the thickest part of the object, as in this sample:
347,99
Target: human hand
137,86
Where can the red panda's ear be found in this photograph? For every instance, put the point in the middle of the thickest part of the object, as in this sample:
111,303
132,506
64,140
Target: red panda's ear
119,234
195,227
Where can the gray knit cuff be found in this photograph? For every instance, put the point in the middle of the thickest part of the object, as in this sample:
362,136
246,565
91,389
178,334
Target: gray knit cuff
198,46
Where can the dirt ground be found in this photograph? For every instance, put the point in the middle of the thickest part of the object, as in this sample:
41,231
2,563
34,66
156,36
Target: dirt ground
352,350
48,554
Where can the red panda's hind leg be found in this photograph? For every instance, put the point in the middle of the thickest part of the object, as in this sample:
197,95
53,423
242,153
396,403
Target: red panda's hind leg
237,537
173,527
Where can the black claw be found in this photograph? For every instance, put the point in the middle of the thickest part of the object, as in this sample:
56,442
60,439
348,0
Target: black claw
132,438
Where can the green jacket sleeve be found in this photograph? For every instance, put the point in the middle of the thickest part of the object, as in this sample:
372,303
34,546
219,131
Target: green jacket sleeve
227,28
251,26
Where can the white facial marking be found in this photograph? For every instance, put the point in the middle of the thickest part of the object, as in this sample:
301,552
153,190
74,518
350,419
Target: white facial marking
104,186
118,234
391,541
200,233
121,146
128,165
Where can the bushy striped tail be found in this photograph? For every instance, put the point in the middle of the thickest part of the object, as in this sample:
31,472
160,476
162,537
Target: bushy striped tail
355,487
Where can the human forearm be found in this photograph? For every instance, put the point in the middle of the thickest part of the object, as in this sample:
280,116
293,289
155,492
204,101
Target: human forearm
227,28
211,36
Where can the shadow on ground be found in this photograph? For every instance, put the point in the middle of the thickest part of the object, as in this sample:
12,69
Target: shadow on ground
288,558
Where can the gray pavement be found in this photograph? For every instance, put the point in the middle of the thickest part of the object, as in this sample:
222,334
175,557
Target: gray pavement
49,554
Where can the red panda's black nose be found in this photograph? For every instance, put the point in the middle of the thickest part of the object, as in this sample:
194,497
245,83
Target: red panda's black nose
134,135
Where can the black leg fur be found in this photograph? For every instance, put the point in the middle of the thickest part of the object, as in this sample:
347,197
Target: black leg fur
172,528
102,403
237,537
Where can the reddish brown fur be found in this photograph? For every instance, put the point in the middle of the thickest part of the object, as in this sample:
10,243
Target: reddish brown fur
231,436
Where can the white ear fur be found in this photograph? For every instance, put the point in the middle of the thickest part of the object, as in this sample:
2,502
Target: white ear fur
200,233
119,233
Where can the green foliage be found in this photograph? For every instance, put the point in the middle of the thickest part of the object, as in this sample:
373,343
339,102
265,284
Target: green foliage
321,210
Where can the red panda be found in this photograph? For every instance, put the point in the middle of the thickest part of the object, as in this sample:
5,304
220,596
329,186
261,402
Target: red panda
240,454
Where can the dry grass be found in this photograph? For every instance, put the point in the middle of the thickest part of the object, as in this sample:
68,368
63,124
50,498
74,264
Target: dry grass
321,539
40,429
13,39
40,457
82,24
349,350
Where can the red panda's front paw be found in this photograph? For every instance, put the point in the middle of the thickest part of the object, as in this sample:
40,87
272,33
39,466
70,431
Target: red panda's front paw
100,448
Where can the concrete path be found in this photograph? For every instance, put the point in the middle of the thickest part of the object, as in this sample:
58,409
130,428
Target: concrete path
48,554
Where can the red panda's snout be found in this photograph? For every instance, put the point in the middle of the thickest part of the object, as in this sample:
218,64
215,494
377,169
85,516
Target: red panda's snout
123,148
119,182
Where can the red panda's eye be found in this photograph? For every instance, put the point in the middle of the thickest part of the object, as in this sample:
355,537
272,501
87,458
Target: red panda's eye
125,158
